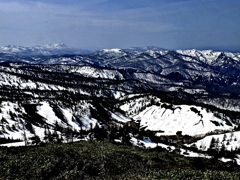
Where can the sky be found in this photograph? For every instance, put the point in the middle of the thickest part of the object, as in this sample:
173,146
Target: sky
96,24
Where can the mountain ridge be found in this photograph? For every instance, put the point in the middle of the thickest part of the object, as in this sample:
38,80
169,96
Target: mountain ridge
193,72
46,50
7,49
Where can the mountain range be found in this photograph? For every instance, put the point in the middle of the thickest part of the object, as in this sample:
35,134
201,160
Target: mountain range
205,72
50,49
150,91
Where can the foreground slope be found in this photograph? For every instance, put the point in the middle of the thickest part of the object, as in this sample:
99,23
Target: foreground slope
104,160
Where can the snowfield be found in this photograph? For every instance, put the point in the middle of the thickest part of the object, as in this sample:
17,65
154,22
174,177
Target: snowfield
230,140
92,72
181,119
191,120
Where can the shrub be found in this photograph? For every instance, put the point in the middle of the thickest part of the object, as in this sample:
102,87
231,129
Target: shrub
104,160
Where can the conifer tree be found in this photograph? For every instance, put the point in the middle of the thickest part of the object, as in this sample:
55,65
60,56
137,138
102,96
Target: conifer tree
224,137
212,143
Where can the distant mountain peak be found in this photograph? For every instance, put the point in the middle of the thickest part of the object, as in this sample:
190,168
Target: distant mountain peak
57,45
113,50
50,49
144,48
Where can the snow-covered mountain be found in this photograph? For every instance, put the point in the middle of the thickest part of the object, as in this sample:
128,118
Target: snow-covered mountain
50,49
194,72
190,71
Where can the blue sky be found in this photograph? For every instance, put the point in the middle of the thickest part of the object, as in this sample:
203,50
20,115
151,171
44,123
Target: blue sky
89,24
